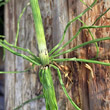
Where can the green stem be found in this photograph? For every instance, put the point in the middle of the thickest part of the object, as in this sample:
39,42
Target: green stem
12,72
64,89
80,29
48,88
19,54
3,3
43,53
45,73
18,22
92,38
67,26
23,49
100,16
81,60
81,45
26,102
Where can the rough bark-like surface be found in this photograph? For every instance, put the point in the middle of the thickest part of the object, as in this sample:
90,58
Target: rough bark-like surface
23,86
98,88
89,94
60,19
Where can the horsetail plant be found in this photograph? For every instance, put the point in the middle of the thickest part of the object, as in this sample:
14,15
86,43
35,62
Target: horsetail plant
46,60
45,72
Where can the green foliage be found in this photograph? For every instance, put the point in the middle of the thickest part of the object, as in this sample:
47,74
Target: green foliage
3,2
43,53
28,101
46,62
64,89
17,33
48,88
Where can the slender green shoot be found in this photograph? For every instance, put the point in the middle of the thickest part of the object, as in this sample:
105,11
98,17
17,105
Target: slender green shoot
101,16
3,3
47,82
18,23
2,37
11,72
40,36
81,28
81,60
19,54
43,60
63,87
88,27
81,45
22,49
89,32
28,101
85,4
92,38
69,23
48,88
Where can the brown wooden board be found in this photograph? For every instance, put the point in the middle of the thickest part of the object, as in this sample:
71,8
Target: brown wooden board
89,94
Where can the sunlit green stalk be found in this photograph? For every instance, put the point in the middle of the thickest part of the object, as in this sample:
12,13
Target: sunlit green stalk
81,60
43,53
92,38
44,73
85,4
81,28
11,72
18,22
22,49
48,88
19,54
24,103
81,45
44,62
100,16
69,23
4,2
63,87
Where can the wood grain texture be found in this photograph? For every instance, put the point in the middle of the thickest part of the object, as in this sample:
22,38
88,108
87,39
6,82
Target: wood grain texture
88,94
23,86
60,19
98,88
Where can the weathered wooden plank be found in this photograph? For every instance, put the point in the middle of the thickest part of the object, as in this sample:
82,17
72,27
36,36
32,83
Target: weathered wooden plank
78,73
23,86
60,19
56,13
83,91
98,89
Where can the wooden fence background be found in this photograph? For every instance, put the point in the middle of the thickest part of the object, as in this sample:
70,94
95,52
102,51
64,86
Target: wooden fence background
89,94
